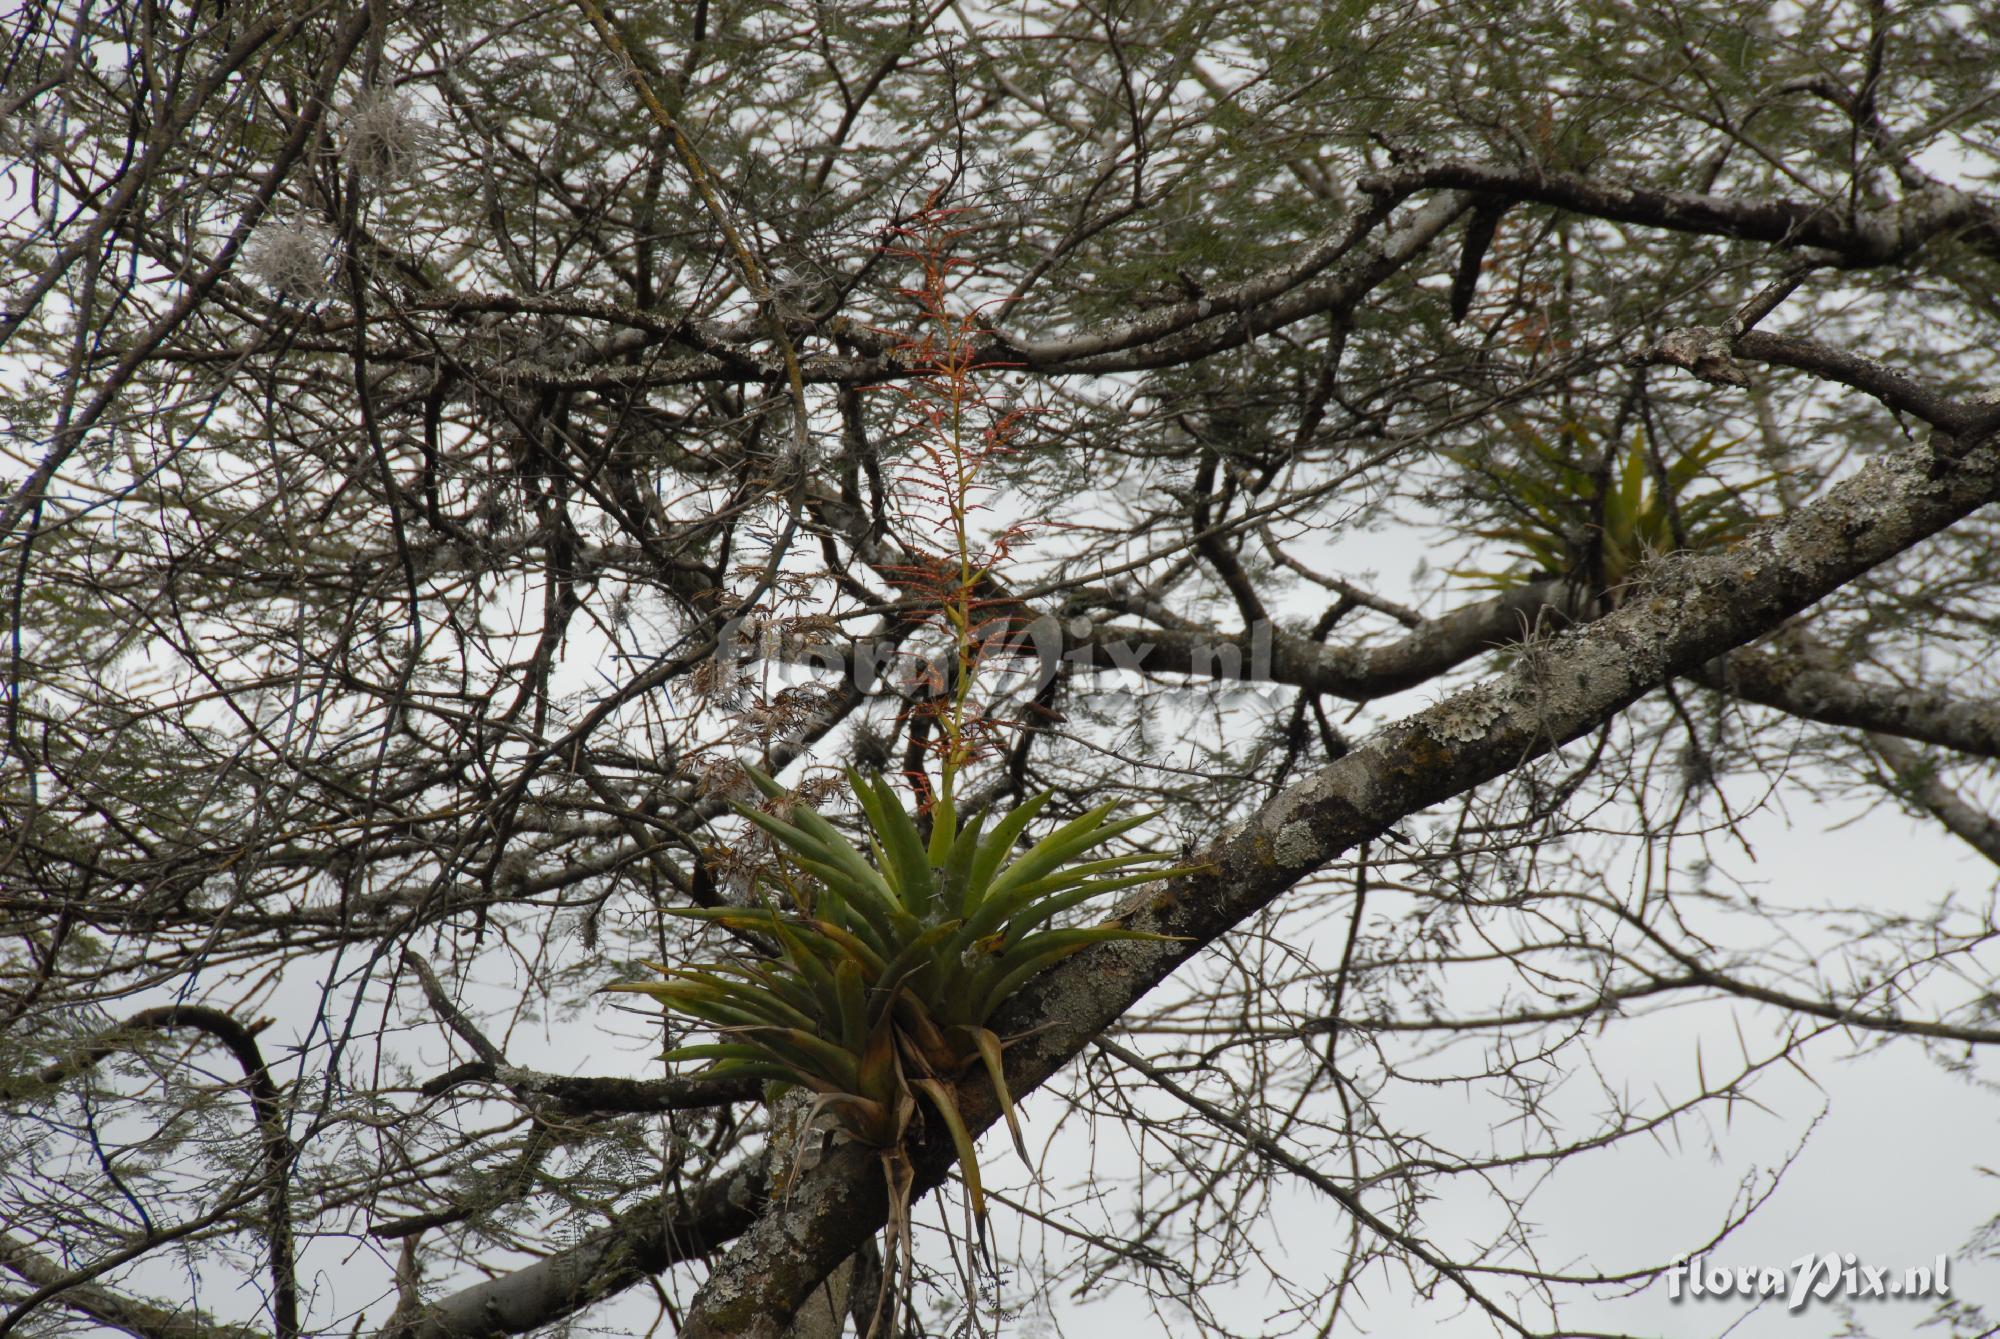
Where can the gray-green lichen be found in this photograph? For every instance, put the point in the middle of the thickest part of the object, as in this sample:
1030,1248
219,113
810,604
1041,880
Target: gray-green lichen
1465,717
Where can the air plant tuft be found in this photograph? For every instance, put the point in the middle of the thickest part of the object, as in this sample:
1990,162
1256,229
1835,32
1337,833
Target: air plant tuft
293,257
385,135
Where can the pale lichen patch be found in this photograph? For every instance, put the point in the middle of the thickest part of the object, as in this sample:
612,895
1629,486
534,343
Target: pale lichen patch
1464,718
1296,846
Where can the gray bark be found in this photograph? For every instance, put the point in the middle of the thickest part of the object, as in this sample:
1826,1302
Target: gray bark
1779,677
1868,237
796,1149
1357,673
643,1242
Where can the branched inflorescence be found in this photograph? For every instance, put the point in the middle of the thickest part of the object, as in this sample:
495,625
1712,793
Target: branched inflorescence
955,430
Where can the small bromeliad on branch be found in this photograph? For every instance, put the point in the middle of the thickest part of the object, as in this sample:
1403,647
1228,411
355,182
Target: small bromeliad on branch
1577,508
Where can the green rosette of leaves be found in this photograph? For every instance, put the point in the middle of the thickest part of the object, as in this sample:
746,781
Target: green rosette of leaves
1566,520
881,977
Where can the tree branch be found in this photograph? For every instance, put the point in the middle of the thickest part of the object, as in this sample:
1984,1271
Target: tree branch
1269,654
1862,238
643,1242
603,1094
1791,682
1892,386
1918,781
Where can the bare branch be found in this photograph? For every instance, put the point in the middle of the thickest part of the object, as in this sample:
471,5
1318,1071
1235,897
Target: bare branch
1865,238
1774,676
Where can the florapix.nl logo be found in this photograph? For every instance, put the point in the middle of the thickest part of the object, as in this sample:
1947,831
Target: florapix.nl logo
1812,1277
